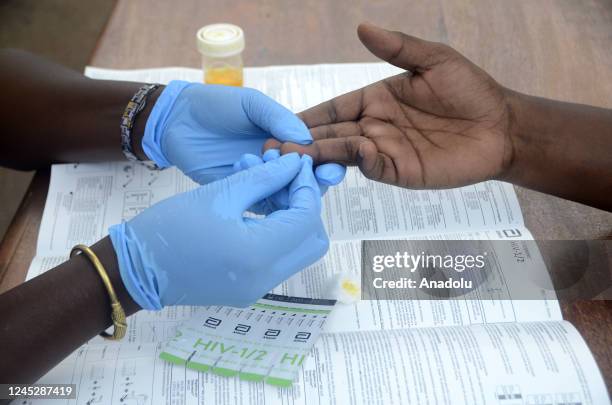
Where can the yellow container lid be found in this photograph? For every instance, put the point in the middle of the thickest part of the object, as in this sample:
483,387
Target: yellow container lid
220,40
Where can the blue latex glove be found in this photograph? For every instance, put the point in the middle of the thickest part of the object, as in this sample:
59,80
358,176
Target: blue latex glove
328,175
204,129
196,248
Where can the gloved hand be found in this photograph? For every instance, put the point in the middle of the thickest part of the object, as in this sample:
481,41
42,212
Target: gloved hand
328,174
204,129
196,248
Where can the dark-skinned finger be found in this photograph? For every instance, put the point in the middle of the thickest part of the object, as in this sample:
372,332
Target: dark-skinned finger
346,107
349,151
334,150
401,50
371,163
339,130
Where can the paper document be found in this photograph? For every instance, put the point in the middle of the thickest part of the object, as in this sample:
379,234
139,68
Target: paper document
484,351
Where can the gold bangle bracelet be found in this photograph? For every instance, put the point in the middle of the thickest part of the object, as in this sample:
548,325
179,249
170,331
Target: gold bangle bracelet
117,314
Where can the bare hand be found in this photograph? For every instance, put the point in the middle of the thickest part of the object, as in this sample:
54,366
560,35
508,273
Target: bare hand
443,123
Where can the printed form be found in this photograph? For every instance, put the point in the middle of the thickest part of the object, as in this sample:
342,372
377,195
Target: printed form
499,351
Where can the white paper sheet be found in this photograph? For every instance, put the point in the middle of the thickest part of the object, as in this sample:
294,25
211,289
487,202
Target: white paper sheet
502,364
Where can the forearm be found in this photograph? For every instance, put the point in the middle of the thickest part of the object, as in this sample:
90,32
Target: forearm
50,316
53,114
561,148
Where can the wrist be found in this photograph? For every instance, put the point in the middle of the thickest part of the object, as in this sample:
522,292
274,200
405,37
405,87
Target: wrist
152,138
139,281
107,256
514,159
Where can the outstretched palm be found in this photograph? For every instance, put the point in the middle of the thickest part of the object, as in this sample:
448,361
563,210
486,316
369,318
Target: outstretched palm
444,123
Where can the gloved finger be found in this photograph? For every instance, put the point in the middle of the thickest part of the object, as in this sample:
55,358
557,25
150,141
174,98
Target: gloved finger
271,154
210,175
298,230
247,161
253,185
304,192
264,206
330,174
279,200
304,205
275,119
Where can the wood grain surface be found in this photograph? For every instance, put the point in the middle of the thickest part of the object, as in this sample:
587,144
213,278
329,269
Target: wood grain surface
552,48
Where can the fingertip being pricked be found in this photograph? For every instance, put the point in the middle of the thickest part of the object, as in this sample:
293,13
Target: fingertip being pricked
271,143
290,161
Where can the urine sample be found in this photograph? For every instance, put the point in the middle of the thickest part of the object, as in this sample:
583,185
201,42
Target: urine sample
221,46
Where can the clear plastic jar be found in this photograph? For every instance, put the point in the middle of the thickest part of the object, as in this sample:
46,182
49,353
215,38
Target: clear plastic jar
221,46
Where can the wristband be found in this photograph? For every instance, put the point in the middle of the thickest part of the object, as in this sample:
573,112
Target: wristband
136,105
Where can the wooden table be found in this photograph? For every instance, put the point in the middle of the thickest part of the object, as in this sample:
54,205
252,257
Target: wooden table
558,49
